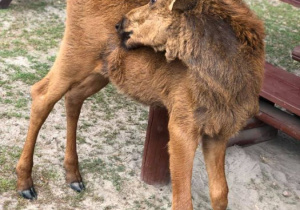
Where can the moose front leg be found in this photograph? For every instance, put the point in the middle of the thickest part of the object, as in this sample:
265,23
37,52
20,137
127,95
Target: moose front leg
44,94
182,146
74,100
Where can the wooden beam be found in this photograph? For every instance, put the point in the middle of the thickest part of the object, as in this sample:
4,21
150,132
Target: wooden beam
4,3
253,136
289,124
281,88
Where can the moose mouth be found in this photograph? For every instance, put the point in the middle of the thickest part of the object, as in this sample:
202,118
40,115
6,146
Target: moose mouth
125,36
127,42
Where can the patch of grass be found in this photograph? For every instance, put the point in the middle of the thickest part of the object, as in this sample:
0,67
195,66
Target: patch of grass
15,52
49,174
2,83
8,101
107,171
7,184
93,165
28,77
12,114
75,200
110,207
110,137
80,139
21,103
282,29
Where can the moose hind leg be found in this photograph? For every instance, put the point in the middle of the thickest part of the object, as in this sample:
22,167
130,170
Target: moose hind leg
74,100
214,155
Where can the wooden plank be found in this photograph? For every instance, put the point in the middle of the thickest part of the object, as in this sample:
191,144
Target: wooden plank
4,3
155,165
282,88
296,53
253,136
279,119
295,3
253,123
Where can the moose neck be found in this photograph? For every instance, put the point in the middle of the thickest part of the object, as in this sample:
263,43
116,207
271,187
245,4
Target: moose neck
229,25
248,28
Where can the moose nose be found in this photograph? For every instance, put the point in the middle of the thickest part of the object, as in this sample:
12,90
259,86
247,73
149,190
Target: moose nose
120,25
117,26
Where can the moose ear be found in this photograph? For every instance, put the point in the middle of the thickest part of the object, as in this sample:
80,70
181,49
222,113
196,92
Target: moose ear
182,5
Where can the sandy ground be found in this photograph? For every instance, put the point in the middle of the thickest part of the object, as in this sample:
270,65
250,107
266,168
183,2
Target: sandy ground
111,131
263,176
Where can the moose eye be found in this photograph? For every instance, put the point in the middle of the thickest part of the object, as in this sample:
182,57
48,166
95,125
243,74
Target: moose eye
152,1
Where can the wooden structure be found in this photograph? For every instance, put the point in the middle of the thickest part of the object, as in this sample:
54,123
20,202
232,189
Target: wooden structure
4,3
295,3
296,53
283,89
155,165
280,92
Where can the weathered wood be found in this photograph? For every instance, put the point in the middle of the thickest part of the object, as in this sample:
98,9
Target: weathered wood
155,165
282,88
253,123
295,3
4,3
253,136
279,119
296,53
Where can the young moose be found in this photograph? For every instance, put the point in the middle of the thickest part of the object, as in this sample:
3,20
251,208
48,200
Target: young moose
221,43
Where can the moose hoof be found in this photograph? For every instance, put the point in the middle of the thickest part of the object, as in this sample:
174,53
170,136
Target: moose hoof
29,194
77,186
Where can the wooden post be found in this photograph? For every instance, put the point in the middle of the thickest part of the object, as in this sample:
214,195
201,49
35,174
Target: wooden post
4,3
155,166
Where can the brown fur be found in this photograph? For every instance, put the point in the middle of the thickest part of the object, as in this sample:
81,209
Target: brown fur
202,105
221,43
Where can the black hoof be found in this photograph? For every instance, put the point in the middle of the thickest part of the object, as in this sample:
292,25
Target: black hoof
29,194
77,186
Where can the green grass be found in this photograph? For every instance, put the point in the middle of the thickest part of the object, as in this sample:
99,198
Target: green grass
282,29
7,184
8,155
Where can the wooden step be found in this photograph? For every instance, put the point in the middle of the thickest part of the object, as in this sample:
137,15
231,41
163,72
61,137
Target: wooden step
253,136
281,88
290,124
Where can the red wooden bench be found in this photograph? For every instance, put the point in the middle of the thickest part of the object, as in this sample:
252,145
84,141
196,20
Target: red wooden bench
4,3
280,92
295,3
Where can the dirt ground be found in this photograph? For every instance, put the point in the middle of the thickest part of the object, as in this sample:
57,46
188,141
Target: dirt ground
112,129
